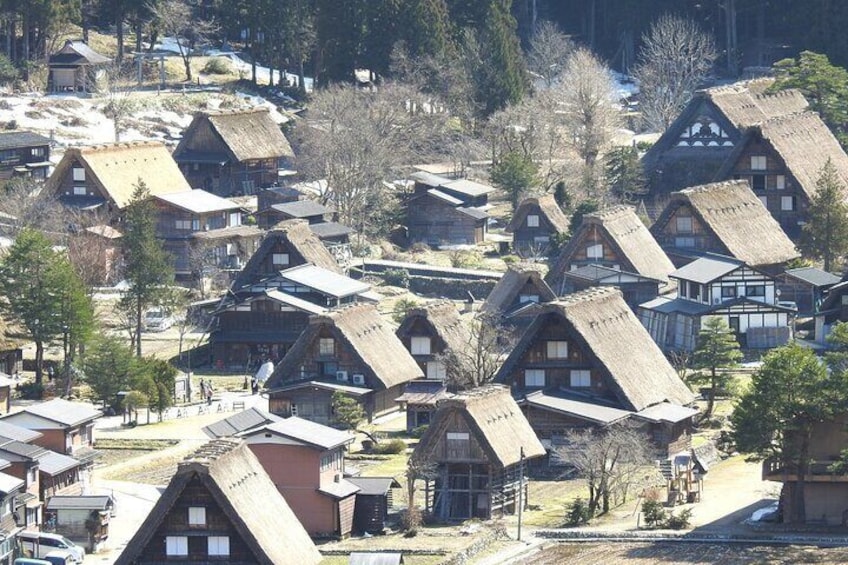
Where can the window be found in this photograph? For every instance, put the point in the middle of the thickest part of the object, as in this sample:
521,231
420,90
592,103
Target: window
420,345
758,162
764,200
755,290
280,258
195,225
176,546
758,182
532,221
235,219
557,350
326,346
595,251
219,546
780,182
684,242
523,298
684,224
728,292
458,445
694,291
787,203
79,174
183,224
196,516
581,378
80,191
37,152
436,370
534,377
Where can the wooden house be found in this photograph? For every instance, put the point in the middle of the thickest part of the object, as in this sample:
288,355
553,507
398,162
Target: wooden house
429,332
743,131
74,517
442,211
305,461
76,67
310,210
28,504
351,350
256,319
517,291
419,400
200,230
805,288
220,506
744,297
65,427
724,218
586,361
535,224
46,472
240,423
824,491
614,238
24,154
479,444
11,488
233,152
103,178
635,288
373,500
833,310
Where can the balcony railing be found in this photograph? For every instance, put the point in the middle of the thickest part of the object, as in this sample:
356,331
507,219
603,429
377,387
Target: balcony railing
818,471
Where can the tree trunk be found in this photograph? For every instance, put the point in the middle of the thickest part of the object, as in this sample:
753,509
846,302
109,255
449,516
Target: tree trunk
711,395
39,361
119,22
301,85
799,510
138,327
187,63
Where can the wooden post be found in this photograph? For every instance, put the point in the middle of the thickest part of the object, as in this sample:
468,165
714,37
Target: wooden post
520,490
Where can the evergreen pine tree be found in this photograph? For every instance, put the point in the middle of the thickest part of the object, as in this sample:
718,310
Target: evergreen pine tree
503,76
825,235
717,349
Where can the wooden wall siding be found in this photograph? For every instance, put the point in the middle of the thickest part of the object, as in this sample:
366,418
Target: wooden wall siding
788,219
549,424
63,484
370,513
610,258
66,184
447,452
345,509
176,523
21,156
634,293
435,222
524,234
420,328
702,237
805,296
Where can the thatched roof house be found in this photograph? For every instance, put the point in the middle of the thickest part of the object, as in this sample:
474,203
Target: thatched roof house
546,206
230,152
520,287
227,481
352,350
107,175
615,237
440,322
480,432
535,223
725,218
288,244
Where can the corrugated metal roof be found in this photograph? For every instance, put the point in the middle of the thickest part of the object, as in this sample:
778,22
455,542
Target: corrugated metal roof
15,139
813,276
330,229
240,422
302,208
324,281
583,409
445,197
19,433
668,305
61,411
374,486
468,187
295,302
307,431
84,502
706,269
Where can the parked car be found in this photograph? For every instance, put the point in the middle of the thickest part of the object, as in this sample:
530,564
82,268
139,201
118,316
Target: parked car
157,320
30,561
40,545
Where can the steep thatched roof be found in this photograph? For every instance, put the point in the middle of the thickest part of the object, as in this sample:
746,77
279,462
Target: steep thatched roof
747,103
247,496
636,248
444,321
248,134
805,144
737,218
371,340
636,369
117,168
505,292
495,421
294,235
547,207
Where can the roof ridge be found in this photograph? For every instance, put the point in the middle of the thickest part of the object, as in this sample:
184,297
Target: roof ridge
210,452
121,145
608,212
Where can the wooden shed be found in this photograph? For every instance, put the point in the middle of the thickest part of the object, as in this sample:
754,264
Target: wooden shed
372,503
75,67
73,515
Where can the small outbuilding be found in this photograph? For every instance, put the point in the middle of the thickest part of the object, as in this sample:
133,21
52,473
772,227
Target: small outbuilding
82,519
76,67
372,503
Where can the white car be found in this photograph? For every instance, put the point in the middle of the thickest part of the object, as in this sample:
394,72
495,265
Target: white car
40,544
157,320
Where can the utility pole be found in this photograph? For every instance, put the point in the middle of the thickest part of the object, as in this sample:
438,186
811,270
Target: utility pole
520,490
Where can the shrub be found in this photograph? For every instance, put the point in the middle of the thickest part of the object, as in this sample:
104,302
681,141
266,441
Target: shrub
218,66
462,259
655,514
419,431
8,72
390,447
577,513
11,124
419,247
678,521
410,520
510,259
402,306
397,277
31,391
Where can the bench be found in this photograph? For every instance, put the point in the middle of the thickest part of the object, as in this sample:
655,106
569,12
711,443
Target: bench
238,405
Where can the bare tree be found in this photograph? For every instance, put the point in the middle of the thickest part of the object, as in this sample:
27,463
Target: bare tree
586,102
549,50
612,461
181,21
675,57
120,105
25,204
358,139
487,346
